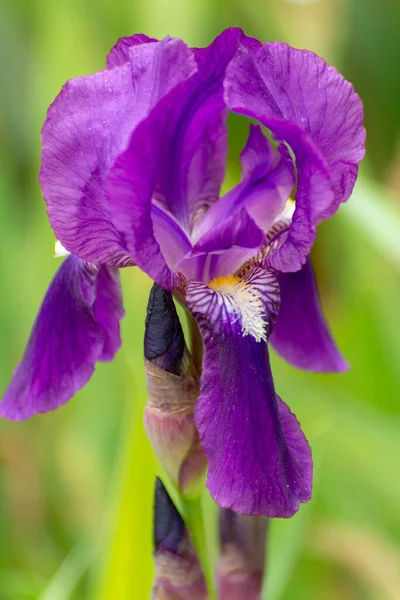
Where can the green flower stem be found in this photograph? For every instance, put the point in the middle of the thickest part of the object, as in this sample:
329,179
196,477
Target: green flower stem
194,518
203,535
196,343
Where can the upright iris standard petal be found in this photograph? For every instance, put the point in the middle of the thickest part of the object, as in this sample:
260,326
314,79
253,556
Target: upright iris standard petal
301,334
258,152
259,460
267,182
87,127
309,105
298,86
223,249
175,156
119,54
77,325
173,240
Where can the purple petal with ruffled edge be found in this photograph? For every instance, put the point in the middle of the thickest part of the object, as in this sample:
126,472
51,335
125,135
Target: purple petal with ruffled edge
223,249
267,182
298,86
314,190
163,155
310,106
87,127
259,460
119,53
301,335
77,325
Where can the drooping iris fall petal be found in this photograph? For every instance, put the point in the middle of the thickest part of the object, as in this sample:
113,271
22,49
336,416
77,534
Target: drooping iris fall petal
301,334
259,460
77,325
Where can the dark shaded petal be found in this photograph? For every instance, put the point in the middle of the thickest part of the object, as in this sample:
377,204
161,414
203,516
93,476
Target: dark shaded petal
267,182
310,106
259,460
77,325
130,188
163,157
223,249
301,334
119,53
87,127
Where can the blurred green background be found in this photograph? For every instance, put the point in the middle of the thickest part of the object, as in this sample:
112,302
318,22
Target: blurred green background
76,485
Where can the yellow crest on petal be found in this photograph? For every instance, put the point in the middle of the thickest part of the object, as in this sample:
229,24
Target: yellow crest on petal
245,301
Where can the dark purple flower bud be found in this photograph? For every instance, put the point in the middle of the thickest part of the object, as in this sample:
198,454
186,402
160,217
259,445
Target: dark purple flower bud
241,567
173,388
164,343
169,528
178,571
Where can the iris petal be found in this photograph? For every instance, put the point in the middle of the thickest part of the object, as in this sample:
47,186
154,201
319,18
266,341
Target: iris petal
299,87
301,335
309,105
175,156
87,127
77,325
223,249
267,182
173,241
259,460
119,53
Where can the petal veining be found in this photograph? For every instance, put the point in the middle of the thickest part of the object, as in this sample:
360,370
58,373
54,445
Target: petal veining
308,104
162,155
87,127
259,460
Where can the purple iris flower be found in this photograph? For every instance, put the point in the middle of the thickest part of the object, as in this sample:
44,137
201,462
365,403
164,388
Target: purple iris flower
132,165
